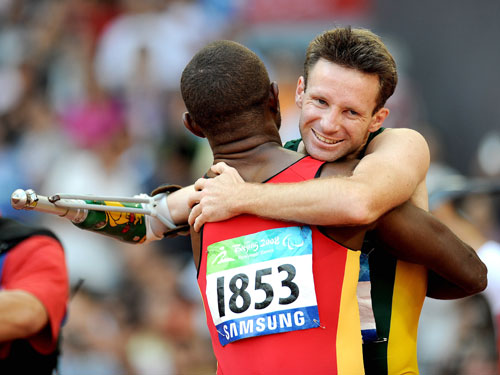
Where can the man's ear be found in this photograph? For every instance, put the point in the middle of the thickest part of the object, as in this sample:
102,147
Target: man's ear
274,101
377,119
191,125
299,91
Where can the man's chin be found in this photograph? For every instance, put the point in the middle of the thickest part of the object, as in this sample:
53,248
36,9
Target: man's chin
324,155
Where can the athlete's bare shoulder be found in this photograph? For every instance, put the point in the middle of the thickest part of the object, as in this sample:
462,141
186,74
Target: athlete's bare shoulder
397,139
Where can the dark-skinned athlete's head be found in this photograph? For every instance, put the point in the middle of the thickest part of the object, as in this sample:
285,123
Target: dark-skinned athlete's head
223,83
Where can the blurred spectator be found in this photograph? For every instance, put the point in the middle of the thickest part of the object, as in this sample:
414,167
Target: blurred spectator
153,26
459,336
96,165
488,151
34,292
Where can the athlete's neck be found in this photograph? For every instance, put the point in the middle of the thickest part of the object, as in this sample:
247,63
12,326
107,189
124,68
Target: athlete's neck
260,162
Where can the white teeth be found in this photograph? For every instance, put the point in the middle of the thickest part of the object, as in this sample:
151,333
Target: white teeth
326,140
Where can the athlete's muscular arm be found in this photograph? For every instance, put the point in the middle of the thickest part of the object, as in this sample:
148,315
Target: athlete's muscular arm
395,164
414,235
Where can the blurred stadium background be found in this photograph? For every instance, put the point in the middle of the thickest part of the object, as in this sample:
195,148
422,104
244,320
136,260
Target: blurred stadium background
89,103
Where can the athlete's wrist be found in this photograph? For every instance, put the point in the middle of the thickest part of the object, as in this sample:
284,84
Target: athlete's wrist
247,199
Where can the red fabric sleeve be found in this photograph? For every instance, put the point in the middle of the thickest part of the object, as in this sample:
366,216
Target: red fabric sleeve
37,265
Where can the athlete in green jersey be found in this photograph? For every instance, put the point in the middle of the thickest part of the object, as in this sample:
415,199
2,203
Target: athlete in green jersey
395,311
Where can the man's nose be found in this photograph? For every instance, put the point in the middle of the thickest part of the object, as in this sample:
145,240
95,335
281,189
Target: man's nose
331,121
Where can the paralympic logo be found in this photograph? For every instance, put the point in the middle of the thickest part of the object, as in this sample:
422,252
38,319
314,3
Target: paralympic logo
292,243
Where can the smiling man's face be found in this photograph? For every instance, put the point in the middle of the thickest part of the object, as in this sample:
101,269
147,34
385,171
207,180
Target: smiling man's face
337,110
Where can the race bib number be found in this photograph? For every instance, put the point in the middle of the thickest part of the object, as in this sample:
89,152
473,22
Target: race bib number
262,284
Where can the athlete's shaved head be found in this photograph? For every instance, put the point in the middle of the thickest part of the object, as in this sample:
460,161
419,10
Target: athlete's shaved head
222,81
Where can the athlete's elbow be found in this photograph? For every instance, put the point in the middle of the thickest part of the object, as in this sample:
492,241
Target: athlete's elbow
478,280
362,213
482,279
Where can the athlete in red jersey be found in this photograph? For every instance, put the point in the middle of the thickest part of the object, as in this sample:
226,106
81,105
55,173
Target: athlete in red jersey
267,293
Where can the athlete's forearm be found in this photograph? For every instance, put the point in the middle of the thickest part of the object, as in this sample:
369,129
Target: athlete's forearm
440,288
330,201
417,236
178,205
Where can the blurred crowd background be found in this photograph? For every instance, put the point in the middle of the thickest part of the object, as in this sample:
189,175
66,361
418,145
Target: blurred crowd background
90,103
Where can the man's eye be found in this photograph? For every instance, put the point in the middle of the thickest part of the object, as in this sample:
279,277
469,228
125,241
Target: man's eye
321,101
352,113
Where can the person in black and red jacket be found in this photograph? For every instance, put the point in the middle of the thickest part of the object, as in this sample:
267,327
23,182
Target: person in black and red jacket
34,291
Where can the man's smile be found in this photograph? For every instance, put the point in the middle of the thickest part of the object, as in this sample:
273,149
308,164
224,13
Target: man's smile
324,139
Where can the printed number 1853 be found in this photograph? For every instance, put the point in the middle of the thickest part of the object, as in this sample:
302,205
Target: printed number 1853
241,292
